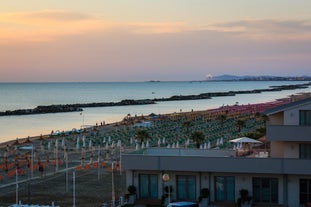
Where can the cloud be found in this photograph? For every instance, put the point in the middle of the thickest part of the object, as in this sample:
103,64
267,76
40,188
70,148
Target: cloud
267,29
49,25
55,15
46,25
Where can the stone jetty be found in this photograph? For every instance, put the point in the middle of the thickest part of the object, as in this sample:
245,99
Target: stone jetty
79,107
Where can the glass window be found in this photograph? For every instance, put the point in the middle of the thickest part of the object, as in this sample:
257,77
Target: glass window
186,187
304,191
305,151
305,117
265,190
224,188
148,186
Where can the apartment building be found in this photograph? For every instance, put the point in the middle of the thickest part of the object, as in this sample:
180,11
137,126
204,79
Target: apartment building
282,178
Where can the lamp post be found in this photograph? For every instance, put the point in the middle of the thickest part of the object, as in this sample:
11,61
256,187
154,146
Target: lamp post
112,186
166,179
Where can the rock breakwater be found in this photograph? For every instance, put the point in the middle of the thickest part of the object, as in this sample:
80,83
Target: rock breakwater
79,107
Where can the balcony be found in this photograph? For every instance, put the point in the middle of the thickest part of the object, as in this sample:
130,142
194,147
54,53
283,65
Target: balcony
288,133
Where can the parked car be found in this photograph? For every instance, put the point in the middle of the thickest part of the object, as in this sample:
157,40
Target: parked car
183,204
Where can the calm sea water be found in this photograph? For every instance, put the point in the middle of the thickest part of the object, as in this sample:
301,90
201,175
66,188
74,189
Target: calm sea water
29,95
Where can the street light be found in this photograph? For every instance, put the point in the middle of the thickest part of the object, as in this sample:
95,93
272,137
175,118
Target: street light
166,179
113,204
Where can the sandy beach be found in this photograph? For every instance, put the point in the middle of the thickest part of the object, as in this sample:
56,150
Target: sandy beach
45,164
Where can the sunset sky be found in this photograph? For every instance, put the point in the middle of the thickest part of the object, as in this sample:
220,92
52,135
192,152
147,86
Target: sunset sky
140,40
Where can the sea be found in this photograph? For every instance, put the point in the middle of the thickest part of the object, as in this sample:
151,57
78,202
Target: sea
15,96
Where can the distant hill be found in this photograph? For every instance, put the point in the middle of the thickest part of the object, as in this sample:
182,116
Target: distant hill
227,77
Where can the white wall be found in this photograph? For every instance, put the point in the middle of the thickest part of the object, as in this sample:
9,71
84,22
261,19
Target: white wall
291,150
291,117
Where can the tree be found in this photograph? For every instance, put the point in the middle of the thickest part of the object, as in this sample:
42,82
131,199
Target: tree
222,118
198,138
187,124
240,123
264,118
142,134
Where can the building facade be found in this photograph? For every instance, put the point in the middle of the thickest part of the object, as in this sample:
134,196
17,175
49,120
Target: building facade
284,177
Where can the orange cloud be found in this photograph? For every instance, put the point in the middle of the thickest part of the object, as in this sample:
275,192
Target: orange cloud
50,24
46,25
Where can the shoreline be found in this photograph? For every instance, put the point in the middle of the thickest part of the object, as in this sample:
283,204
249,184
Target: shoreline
123,122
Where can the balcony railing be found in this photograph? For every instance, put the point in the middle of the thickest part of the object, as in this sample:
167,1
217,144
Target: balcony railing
216,164
288,133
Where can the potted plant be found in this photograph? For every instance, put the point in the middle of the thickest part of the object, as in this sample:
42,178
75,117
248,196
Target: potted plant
131,196
204,197
245,200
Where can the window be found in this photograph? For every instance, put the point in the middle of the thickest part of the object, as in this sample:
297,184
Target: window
148,186
185,187
304,191
305,117
265,190
224,188
305,151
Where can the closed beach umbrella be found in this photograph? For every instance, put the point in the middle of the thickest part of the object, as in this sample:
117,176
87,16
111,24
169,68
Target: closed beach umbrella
159,142
221,142
83,140
147,144
112,144
137,146
142,145
209,145
104,140
173,145
168,145
49,145
177,144
205,146
42,148
163,141
107,146
56,143
90,144
119,143
109,139
131,140
217,142
63,142
77,145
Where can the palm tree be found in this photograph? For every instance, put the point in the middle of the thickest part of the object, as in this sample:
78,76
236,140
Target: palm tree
264,118
222,118
187,124
142,134
198,138
240,123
